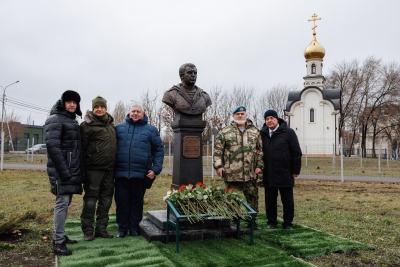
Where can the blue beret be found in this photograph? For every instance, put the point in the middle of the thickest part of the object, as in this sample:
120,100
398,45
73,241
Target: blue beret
239,108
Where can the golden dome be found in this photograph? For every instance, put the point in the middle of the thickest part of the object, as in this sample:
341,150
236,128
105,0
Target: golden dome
314,50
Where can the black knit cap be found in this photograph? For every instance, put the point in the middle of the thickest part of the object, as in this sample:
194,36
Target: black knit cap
272,113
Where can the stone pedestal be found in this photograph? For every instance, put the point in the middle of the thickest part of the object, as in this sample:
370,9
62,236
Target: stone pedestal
188,152
152,227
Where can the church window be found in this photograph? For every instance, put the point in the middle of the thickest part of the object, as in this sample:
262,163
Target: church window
313,69
312,115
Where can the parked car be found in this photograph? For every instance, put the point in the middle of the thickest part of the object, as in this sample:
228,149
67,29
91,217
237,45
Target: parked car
37,149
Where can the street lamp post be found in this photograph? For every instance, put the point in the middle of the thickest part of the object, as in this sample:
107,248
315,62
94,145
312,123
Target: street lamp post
2,124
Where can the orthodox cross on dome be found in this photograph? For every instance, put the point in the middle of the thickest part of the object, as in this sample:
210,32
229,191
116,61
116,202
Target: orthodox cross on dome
314,18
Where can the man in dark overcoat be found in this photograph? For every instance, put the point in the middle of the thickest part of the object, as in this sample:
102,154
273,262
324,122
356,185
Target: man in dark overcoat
282,164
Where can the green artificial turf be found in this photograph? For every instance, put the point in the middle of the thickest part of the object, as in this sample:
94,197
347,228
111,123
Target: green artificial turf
304,242
277,247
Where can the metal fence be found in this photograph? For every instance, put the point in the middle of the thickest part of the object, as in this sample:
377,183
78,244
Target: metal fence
340,165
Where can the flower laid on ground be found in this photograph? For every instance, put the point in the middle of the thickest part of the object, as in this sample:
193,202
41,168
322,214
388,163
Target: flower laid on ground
198,200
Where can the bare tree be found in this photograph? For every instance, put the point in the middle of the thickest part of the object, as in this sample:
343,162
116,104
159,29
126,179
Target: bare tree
217,114
12,128
277,98
120,111
152,105
29,120
167,116
366,89
349,78
243,96
274,98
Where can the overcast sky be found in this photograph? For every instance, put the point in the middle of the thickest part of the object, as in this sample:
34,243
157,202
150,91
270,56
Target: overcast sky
118,49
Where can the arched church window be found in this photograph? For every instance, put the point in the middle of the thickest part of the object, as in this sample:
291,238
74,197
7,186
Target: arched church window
312,113
313,69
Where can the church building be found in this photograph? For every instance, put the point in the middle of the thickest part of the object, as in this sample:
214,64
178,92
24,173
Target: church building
314,111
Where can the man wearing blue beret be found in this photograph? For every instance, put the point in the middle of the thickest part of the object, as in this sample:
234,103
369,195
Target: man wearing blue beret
238,156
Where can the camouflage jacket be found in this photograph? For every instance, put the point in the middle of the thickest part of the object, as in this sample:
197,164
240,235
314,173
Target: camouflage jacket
238,153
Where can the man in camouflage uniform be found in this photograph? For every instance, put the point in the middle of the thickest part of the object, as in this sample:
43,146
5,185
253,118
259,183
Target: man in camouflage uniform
238,156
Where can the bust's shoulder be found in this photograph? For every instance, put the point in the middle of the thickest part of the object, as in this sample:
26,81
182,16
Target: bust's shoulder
204,92
205,96
174,88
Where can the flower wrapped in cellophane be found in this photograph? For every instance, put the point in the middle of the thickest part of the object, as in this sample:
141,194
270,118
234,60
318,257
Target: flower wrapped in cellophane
198,200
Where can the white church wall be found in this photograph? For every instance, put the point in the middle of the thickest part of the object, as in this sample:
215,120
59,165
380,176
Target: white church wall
318,137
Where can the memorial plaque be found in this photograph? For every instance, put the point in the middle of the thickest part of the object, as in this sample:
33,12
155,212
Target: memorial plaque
191,147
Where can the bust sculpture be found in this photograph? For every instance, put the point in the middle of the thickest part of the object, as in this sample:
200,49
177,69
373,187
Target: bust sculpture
187,100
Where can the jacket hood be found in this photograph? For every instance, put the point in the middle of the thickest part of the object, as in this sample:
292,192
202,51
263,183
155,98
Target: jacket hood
59,108
90,118
142,121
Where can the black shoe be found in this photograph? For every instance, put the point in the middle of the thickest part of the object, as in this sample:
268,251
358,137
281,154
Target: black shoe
120,235
133,233
69,241
288,227
61,250
271,226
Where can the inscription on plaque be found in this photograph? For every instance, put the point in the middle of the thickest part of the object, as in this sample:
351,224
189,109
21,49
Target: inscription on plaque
191,147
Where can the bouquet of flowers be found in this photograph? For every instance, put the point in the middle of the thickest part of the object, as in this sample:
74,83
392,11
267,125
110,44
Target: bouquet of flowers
196,200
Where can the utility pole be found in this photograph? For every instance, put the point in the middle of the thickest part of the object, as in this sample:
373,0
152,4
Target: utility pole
2,123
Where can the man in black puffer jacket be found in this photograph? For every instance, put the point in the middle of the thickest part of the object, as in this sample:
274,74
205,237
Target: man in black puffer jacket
64,153
282,164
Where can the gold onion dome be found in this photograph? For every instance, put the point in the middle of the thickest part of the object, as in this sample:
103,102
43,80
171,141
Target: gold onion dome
314,50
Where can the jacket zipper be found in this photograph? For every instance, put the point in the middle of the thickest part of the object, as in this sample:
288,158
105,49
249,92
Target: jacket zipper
129,152
70,159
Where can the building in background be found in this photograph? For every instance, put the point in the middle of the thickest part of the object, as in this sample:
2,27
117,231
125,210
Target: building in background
314,111
20,134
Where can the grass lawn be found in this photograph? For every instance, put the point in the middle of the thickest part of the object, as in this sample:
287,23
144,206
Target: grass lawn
368,213
272,248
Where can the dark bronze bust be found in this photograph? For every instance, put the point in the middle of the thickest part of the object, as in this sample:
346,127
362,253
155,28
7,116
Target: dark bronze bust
188,101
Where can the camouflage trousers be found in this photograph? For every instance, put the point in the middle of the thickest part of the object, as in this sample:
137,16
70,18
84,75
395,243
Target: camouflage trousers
99,190
250,191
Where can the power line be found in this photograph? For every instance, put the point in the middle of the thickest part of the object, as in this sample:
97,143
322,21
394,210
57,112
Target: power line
25,105
29,110
8,97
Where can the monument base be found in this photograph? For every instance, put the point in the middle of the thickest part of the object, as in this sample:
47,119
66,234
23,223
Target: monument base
188,152
152,227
